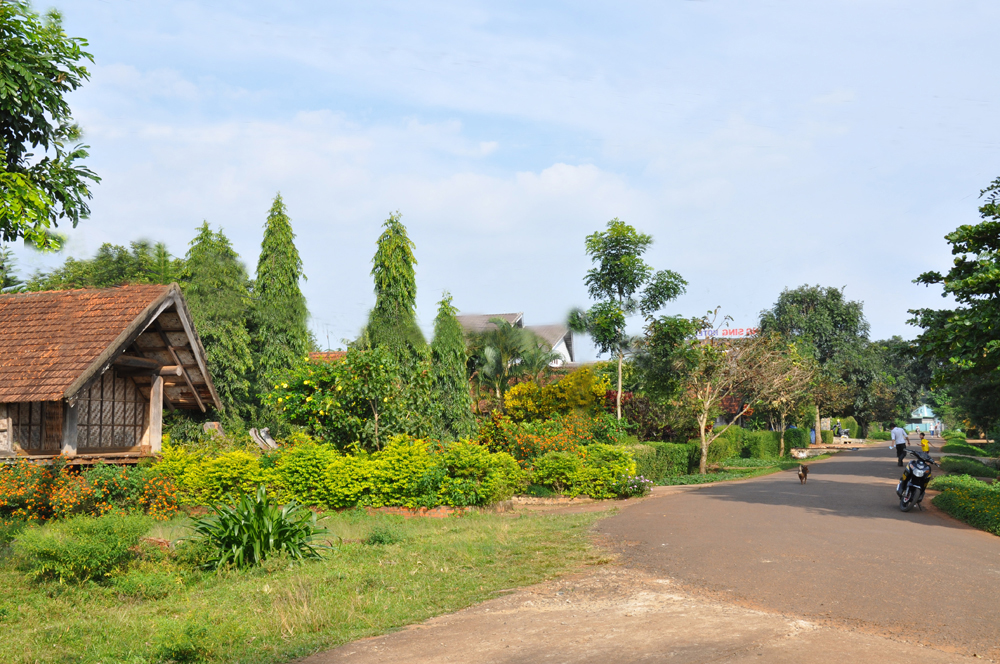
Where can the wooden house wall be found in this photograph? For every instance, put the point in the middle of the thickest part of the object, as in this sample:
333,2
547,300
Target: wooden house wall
36,426
111,414
6,436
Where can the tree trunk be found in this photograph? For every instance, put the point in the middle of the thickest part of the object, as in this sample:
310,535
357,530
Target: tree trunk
703,463
781,448
819,434
619,384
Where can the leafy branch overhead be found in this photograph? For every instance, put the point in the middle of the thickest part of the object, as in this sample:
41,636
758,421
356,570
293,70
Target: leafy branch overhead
41,178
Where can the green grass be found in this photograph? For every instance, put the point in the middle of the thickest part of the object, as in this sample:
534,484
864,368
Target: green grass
967,466
775,466
969,500
412,570
961,447
749,463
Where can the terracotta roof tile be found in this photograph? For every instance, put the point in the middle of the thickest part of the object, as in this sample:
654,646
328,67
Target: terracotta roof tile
48,339
328,356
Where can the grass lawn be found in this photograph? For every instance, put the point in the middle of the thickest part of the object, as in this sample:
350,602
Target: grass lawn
758,468
160,612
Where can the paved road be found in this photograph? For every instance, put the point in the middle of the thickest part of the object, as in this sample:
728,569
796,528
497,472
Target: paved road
835,551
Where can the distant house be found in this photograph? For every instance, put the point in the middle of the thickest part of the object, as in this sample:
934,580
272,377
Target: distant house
87,372
923,419
327,356
558,338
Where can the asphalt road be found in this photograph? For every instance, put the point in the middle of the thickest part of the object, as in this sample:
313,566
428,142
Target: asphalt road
836,551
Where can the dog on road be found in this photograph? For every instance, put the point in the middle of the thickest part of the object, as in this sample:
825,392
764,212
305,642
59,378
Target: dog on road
803,473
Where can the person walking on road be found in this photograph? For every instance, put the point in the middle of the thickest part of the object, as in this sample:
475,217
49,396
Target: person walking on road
900,441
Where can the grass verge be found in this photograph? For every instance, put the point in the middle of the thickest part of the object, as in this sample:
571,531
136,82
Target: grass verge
969,500
409,571
967,466
730,474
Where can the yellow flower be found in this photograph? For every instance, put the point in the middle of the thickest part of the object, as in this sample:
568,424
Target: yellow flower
339,388
309,398
285,385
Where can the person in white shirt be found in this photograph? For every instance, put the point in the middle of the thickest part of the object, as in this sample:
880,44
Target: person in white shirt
900,441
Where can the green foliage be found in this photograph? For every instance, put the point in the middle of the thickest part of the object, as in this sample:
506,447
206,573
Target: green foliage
451,386
503,353
966,466
827,437
969,500
963,342
279,335
557,470
818,318
358,401
257,528
739,462
665,357
580,391
880,435
9,281
183,644
766,444
112,265
706,478
81,548
961,447
657,461
796,438
39,67
392,323
217,290
739,442
615,284
952,435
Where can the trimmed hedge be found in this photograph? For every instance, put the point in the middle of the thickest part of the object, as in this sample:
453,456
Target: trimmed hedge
738,442
657,461
966,466
960,447
970,500
827,437
880,435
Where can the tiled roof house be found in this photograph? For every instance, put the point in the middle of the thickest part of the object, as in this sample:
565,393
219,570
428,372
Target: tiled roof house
87,372
557,337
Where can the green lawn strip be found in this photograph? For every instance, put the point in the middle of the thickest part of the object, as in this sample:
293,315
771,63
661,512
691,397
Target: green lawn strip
278,613
969,500
739,474
967,466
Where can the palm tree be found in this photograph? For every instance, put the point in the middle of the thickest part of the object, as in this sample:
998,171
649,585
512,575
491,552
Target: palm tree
504,353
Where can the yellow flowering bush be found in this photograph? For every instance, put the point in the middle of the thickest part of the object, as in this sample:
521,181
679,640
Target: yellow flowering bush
579,391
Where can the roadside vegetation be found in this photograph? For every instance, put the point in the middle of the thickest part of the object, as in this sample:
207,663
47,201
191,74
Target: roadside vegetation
153,604
970,500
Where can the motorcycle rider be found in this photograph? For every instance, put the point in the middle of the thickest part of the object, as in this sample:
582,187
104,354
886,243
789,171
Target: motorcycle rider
900,441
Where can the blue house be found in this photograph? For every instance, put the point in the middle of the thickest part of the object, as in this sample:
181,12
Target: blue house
923,419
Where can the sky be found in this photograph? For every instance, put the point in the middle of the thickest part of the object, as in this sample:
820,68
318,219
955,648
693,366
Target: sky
764,144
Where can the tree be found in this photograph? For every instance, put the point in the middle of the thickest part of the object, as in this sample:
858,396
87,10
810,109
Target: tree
963,343
495,355
9,282
216,288
622,284
113,265
279,332
789,376
39,67
822,324
392,323
450,381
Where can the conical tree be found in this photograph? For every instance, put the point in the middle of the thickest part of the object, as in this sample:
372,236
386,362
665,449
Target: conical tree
451,383
216,287
279,322
392,323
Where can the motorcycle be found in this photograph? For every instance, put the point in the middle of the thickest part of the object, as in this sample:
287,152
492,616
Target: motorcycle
913,484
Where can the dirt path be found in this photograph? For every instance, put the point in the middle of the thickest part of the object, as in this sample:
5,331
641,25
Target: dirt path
765,570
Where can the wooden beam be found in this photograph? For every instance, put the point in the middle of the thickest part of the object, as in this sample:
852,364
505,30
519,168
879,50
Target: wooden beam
166,399
177,361
71,415
197,350
133,362
171,370
155,439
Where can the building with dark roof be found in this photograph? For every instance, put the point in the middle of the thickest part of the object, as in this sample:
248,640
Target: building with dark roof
87,372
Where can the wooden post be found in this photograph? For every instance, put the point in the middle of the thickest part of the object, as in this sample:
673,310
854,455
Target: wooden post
156,415
69,430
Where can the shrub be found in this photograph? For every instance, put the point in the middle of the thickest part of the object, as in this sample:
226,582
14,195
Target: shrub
648,420
796,438
528,440
827,437
147,583
959,447
970,500
632,487
604,468
256,528
558,470
966,466
953,434
384,534
880,435
183,644
580,391
80,548
656,461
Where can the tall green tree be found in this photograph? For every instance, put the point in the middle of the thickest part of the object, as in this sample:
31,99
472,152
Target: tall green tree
392,323
217,289
41,178
824,325
622,285
963,342
279,331
450,381
9,281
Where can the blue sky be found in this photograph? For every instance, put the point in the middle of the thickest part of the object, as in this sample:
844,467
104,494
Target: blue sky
764,144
